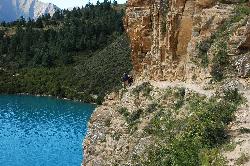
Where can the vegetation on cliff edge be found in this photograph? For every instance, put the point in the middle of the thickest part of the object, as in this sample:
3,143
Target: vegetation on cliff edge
220,62
191,130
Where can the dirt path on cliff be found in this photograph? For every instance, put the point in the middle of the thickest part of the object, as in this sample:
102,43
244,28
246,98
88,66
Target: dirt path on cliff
193,87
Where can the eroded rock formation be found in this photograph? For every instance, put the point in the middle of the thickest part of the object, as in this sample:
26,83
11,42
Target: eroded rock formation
165,34
155,29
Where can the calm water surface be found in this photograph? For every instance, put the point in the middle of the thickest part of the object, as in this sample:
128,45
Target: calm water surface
42,131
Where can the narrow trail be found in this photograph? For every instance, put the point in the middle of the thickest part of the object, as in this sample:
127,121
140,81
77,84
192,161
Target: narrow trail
193,87
196,88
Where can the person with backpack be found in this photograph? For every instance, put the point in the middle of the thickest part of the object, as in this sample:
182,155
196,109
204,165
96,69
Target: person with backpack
127,80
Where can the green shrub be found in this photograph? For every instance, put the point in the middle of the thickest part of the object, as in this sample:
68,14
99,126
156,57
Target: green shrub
132,119
179,95
135,116
194,139
203,48
145,88
233,96
244,130
123,111
107,122
212,158
220,62
221,56
178,104
217,72
152,107
240,11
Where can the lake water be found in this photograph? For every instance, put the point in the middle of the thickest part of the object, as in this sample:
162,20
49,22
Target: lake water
42,131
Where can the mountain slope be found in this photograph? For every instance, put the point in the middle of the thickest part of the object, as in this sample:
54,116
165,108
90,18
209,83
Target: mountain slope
72,54
11,10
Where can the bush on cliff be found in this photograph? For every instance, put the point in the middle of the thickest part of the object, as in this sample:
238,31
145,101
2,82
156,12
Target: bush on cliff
196,138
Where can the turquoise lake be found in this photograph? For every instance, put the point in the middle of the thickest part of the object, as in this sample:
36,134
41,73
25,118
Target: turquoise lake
42,131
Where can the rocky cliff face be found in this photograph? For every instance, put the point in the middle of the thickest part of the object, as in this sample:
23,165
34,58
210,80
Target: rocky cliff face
165,36
182,47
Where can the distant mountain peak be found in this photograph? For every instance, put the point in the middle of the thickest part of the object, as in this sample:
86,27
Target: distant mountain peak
11,10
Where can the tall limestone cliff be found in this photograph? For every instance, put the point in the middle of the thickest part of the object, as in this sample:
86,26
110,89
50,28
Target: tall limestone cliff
189,57
165,36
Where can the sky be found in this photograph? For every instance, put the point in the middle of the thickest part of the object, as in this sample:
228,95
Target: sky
64,4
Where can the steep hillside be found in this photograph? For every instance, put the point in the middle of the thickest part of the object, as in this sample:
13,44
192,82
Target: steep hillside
69,55
11,10
190,102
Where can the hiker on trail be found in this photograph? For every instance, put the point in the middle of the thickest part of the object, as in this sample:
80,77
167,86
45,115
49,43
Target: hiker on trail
127,80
